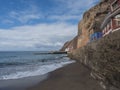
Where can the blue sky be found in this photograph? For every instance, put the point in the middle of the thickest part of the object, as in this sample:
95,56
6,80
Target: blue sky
39,24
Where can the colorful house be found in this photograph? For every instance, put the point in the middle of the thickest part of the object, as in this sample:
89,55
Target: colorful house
112,20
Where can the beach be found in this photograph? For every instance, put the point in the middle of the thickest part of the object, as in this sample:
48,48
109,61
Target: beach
74,76
21,70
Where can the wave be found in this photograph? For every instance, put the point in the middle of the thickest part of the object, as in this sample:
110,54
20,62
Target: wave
41,70
4,64
25,62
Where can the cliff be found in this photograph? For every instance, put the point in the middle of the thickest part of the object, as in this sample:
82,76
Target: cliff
101,56
70,44
90,23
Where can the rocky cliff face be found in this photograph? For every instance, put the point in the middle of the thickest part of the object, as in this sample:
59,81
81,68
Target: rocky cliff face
90,23
70,44
101,56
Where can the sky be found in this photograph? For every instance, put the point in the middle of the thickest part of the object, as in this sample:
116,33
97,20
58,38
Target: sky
39,25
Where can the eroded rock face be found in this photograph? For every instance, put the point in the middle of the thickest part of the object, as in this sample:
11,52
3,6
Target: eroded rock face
103,57
72,45
65,46
91,22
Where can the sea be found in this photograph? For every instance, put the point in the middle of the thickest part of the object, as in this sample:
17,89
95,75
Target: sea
23,69
15,65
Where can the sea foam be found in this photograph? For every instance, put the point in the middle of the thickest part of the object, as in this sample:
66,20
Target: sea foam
41,70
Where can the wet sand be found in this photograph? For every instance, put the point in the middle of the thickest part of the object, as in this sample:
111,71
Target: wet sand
22,83
71,77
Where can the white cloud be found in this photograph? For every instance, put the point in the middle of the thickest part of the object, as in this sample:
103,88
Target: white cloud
37,36
44,36
70,9
77,4
65,10
26,15
65,17
6,21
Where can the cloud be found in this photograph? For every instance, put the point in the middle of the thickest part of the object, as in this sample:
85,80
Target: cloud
24,16
47,35
70,10
36,37
76,4
7,21
62,10
65,17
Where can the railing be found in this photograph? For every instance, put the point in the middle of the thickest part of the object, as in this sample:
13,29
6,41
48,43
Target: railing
116,5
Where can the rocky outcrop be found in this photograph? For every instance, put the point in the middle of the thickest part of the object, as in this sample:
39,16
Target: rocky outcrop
72,45
91,22
65,46
102,57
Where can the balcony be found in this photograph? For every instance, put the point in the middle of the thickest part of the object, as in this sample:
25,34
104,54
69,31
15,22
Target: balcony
115,5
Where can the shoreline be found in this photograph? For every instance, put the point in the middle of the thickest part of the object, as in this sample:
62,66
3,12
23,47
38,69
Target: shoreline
22,83
25,82
74,76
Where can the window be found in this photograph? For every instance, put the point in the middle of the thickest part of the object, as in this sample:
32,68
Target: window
107,27
117,18
118,23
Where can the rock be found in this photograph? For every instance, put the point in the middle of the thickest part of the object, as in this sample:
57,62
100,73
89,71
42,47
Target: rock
72,45
91,22
101,56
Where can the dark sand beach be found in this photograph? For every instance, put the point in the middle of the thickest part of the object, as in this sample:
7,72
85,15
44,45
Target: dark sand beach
22,83
71,77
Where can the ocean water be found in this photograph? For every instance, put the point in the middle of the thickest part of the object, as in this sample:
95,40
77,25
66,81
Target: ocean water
16,65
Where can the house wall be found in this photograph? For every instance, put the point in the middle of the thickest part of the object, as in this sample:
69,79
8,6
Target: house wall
113,22
111,26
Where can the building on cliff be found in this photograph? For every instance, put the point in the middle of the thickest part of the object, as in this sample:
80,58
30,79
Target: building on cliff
112,20
91,22
88,27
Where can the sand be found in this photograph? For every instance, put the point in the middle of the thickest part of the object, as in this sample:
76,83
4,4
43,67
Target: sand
71,77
